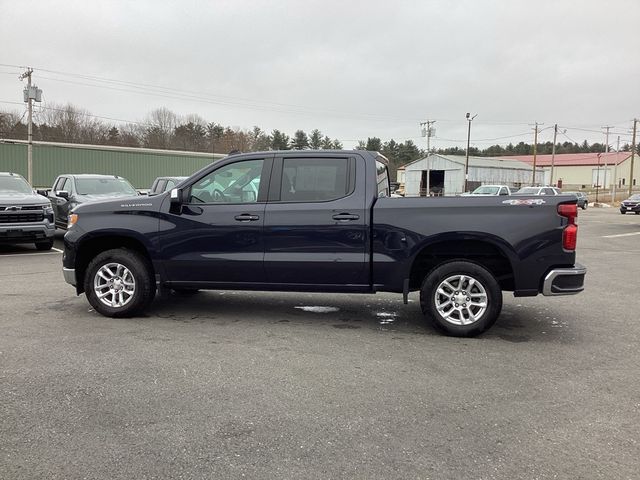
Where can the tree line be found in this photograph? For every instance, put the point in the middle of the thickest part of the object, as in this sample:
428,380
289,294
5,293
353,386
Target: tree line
163,129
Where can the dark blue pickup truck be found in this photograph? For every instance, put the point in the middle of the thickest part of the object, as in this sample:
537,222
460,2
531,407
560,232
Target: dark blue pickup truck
322,221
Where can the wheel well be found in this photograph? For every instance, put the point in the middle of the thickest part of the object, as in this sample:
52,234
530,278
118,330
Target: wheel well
483,253
90,248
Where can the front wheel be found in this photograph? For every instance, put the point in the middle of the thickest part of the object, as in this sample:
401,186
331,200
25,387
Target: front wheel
461,298
622,212
119,283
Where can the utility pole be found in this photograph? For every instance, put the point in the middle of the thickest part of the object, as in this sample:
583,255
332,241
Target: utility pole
615,172
606,150
633,154
553,153
535,152
29,101
31,93
466,162
428,132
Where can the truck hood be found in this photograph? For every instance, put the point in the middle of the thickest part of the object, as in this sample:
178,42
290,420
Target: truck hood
125,203
16,198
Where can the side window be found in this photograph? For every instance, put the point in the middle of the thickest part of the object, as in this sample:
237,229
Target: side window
315,179
503,191
234,183
65,184
58,186
159,186
382,179
549,191
169,186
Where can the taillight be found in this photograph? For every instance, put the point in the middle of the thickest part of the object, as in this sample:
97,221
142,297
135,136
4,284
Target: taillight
570,232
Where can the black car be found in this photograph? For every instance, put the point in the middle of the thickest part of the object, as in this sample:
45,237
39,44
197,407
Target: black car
631,204
71,190
163,184
583,201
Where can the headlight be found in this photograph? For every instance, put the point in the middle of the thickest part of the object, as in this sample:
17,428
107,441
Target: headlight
47,211
71,220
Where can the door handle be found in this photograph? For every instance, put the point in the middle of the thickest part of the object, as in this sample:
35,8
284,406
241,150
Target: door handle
345,217
246,217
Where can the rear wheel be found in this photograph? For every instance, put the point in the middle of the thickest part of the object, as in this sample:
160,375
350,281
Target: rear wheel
46,245
461,298
119,283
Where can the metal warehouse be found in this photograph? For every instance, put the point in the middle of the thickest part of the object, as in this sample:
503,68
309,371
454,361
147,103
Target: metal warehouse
138,165
444,174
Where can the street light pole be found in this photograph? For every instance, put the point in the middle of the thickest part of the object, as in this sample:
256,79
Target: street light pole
598,181
466,162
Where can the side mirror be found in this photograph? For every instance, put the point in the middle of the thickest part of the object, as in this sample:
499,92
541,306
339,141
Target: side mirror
177,196
63,194
248,196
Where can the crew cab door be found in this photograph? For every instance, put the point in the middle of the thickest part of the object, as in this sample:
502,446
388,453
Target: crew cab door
216,235
316,223
61,205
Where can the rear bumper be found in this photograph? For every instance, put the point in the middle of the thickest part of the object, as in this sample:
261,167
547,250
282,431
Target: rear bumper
564,281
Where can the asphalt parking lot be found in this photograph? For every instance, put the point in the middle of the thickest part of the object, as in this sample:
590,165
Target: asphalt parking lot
263,385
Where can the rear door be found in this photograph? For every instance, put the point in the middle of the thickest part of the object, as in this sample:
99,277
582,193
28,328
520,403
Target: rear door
316,222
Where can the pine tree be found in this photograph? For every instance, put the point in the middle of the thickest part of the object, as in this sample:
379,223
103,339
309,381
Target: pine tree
300,140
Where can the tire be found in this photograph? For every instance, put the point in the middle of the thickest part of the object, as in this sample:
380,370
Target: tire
46,245
450,282
584,207
623,213
124,278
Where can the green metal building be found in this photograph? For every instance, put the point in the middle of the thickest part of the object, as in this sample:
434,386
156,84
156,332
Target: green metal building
138,165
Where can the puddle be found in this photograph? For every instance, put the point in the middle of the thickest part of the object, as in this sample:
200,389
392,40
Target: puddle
385,318
318,309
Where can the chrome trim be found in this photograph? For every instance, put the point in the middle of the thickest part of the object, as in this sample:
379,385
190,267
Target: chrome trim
69,275
559,272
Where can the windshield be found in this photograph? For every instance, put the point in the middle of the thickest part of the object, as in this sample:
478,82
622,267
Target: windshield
486,190
635,198
14,184
104,186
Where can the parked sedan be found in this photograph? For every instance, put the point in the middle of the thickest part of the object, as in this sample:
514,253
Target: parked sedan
631,204
538,191
71,190
491,190
583,201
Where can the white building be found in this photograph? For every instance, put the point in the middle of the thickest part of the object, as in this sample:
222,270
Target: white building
444,174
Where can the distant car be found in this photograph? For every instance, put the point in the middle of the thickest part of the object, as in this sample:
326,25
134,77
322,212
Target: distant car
25,216
538,191
583,201
631,204
162,184
71,190
491,190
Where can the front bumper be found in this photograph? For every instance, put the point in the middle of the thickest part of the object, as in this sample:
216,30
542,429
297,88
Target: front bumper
564,281
629,208
25,233
69,275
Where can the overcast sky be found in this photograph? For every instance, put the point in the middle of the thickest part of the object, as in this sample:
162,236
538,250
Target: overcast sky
351,69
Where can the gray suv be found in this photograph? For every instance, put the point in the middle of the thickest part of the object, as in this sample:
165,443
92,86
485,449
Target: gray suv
25,216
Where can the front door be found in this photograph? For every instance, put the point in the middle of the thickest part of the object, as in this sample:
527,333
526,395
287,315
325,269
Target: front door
216,236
